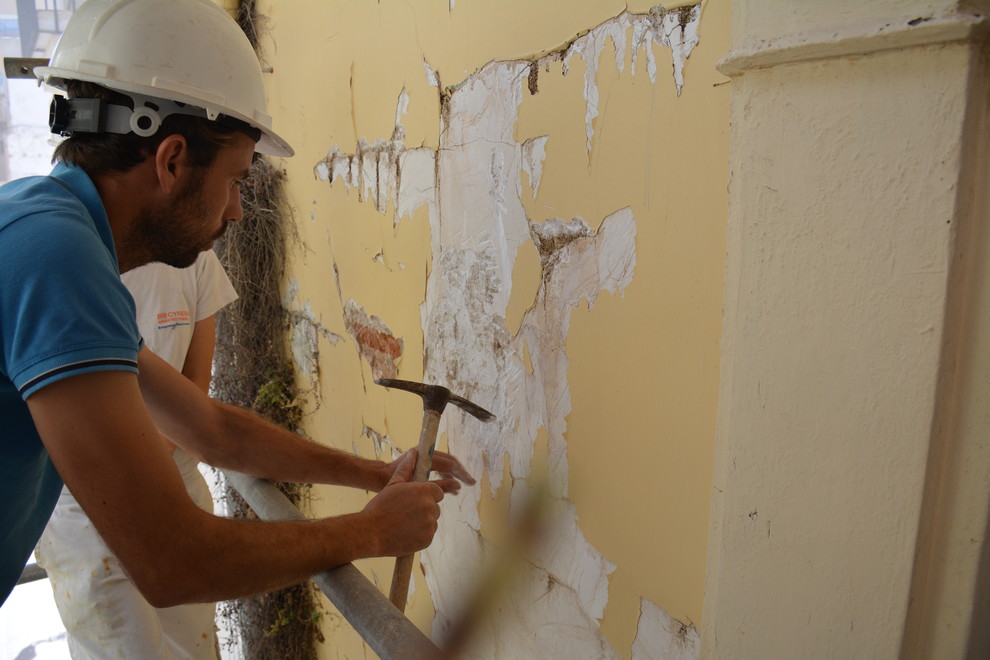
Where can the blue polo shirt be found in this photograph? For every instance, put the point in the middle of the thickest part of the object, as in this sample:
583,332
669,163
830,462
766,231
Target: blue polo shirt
63,312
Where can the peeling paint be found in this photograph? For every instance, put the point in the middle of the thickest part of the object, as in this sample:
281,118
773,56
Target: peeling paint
384,171
383,446
305,343
676,29
374,340
432,79
534,152
306,331
472,188
660,635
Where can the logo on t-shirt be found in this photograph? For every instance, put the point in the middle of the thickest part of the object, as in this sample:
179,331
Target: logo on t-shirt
175,319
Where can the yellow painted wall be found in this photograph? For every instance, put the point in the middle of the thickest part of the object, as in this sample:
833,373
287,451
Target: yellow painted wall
852,473
641,362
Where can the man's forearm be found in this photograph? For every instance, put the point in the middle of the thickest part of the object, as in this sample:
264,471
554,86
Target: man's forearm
229,437
247,443
248,557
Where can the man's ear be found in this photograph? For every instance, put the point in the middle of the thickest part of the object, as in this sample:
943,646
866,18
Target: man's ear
170,159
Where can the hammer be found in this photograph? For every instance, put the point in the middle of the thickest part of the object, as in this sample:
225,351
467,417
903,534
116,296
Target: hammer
435,399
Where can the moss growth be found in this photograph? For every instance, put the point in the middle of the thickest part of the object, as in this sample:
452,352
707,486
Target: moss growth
277,400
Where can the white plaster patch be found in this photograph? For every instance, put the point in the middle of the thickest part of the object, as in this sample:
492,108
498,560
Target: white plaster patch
555,628
577,264
431,76
575,562
590,47
401,108
661,636
417,187
534,152
682,36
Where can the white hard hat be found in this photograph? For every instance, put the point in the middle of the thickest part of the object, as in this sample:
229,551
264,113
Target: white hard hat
186,51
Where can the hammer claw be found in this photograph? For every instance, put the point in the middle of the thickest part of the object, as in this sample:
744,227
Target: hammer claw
472,408
436,397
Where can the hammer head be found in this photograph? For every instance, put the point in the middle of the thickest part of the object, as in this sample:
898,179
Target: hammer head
436,397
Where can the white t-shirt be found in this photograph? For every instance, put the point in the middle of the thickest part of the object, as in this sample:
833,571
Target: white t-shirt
170,301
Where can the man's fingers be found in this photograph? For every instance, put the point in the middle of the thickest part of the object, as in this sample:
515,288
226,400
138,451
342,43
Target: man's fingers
449,485
447,465
438,495
404,470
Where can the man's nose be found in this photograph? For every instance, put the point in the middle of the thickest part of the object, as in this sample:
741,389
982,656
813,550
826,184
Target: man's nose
234,212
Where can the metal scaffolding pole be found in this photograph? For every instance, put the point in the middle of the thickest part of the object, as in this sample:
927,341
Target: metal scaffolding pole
386,630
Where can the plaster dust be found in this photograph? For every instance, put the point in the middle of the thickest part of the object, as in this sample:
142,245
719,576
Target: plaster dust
472,189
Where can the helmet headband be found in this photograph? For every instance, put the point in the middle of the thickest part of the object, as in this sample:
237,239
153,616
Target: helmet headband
89,115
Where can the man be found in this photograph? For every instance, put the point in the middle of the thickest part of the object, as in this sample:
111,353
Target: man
150,172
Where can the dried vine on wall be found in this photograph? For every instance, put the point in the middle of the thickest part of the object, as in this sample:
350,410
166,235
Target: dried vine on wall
252,369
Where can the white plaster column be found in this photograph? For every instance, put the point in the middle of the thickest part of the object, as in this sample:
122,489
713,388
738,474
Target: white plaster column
852,477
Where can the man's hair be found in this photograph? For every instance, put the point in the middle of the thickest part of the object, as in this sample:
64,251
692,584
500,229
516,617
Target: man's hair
102,153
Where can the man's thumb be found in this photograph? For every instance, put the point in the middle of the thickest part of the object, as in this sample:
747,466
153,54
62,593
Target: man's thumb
404,471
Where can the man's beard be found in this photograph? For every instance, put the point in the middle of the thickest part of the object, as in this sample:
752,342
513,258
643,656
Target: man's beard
172,234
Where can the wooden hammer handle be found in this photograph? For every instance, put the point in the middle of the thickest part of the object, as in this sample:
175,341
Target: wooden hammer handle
403,565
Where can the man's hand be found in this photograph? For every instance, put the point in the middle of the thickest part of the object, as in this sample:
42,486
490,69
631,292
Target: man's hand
451,472
404,514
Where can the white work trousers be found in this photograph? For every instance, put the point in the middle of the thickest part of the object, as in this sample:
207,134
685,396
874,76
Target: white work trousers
105,616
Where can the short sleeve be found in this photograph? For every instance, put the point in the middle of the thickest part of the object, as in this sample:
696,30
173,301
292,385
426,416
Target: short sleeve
214,290
63,308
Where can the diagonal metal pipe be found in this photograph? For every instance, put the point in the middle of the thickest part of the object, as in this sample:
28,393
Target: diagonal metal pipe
380,623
